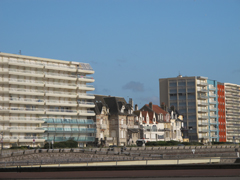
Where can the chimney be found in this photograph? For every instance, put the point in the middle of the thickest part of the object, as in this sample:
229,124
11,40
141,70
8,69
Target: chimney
136,107
150,105
131,101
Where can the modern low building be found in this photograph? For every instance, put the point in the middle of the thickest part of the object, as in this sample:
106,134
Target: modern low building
45,100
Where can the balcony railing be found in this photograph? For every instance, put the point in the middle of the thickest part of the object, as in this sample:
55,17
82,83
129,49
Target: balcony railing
59,83
25,128
25,137
73,130
62,110
85,103
68,121
25,71
84,94
61,75
26,90
26,62
26,99
61,66
25,81
85,86
25,119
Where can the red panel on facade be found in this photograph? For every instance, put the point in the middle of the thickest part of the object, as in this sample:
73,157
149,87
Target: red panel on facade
221,113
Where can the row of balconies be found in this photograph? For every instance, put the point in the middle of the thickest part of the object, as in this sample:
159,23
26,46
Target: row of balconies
83,139
69,130
47,102
68,121
43,74
41,83
84,67
28,139
13,129
47,93
46,111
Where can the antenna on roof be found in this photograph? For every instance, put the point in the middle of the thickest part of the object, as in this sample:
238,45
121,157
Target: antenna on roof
20,52
179,75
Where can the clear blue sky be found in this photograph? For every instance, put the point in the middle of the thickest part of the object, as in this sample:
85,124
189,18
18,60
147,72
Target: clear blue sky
129,43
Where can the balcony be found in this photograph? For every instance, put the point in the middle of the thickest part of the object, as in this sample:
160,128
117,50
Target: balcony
202,117
212,88
213,129
202,123
26,130
202,97
68,121
61,103
27,63
212,95
61,76
86,104
212,102
213,116
61,67
70,130
86,113
85,96
203,130
202,83
25,82
85,78
213,109
12,139
26,120
85,68
202,110
61,94
24,91
213,122
25,110
22,72
31,101
202,90
61,111
61,85
86,87
202,103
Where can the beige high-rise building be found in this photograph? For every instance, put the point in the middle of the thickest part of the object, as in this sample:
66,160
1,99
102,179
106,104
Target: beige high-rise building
44,100
196,98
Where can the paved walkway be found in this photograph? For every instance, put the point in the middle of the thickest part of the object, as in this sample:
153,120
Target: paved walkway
122,174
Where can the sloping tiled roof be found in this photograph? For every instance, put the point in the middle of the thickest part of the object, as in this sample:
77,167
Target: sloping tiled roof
157,109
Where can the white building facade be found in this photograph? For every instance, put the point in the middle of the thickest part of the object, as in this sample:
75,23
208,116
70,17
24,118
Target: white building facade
44,100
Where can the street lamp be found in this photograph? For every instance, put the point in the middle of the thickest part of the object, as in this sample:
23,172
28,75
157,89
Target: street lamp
1,142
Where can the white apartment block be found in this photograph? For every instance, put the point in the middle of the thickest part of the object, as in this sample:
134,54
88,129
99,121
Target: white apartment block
44,100
232,109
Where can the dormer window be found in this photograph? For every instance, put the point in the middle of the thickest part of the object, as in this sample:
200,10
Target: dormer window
122,110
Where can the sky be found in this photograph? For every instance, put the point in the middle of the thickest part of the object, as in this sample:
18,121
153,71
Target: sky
130,44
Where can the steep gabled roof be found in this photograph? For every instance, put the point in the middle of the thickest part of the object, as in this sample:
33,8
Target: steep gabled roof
150,114
157,109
